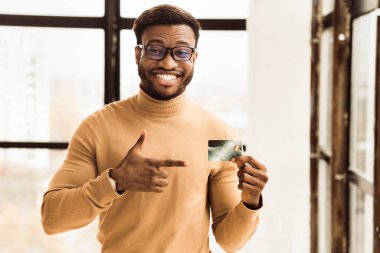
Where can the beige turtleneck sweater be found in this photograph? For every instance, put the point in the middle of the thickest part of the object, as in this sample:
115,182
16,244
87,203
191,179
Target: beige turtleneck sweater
176,220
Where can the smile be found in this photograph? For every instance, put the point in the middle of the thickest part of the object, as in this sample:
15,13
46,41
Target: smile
167,77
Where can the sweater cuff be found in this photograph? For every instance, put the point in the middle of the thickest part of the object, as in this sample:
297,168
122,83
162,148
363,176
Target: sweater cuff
100,190
255,208
246,211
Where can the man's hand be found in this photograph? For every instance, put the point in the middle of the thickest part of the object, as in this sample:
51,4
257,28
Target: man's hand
252,179
138,173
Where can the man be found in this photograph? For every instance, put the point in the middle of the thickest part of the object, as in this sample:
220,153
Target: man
155,194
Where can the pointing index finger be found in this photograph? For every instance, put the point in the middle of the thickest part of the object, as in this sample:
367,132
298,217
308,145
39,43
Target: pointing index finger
168,163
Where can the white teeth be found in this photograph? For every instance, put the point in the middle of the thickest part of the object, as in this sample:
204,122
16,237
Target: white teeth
166,77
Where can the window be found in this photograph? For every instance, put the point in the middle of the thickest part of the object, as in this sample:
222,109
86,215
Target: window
325,145
325,110
363,96
362,134
24,177
324,204
53,76
361,220
43,95
345,136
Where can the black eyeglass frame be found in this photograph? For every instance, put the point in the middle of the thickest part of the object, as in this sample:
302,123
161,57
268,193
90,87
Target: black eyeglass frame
170,49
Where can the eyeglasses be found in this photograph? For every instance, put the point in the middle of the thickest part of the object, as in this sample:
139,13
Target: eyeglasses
156,52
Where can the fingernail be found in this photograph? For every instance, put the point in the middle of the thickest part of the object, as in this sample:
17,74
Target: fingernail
233,159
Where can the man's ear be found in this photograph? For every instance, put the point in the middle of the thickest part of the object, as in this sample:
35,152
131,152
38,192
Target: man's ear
195,56
137,55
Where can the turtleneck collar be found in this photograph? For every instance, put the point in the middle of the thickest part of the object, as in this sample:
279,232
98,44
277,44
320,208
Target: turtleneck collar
170,107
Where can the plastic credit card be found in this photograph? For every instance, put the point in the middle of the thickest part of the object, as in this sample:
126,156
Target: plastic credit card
224,150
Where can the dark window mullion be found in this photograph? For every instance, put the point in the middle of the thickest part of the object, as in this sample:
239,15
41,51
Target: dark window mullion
340,130
112,51
314,125
48,145
51,21
327,21
325,155
376,210
206,24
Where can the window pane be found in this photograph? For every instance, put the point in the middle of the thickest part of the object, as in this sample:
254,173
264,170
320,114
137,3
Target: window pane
324,207
50,79
326,74
199,9
361,221
363,95
53,7
24,177
217,75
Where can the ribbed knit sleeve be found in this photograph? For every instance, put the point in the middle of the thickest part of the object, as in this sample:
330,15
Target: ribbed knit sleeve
77,193
233,222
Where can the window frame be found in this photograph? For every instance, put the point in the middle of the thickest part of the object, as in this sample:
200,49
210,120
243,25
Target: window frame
112,23
376,232
341,19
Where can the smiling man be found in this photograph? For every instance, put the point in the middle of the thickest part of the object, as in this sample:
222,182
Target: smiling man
165,77
155,194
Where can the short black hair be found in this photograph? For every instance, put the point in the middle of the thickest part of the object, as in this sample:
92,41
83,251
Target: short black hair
165,14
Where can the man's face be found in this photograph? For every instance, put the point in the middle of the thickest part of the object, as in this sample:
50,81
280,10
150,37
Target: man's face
167,78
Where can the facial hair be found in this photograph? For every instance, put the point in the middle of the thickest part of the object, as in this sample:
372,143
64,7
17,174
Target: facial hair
147,86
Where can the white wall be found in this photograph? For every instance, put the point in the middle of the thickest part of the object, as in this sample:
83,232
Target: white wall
279,82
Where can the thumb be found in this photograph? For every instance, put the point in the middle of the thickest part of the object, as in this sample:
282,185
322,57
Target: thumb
140,142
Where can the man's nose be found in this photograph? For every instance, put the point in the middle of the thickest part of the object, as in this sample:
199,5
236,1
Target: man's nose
168,62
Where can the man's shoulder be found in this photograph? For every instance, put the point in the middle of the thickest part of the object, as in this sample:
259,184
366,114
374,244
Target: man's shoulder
115,107
120,104
205,113
109,111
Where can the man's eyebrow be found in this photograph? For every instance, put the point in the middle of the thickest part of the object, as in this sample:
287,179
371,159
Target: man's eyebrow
161,42
182,42
155,41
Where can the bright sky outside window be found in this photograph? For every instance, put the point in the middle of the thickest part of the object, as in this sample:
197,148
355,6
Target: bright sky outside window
325,111
53,7
363,75
57,76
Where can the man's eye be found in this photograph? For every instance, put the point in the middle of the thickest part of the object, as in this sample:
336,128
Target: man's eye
183,53
155,50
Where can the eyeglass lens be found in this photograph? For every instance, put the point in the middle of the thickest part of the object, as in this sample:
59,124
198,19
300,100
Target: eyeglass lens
178,53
